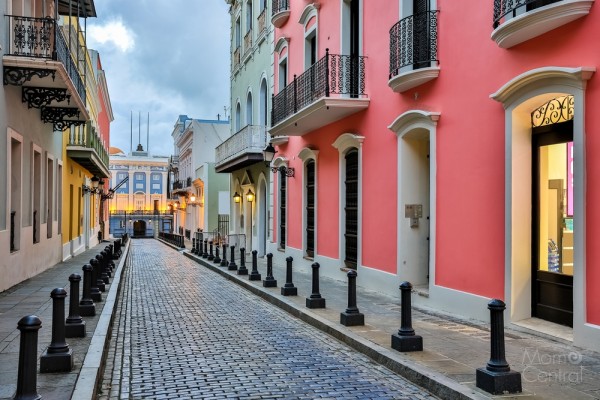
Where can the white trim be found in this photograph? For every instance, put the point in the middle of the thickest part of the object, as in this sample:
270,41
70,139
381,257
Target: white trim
309,11
282,42
519,97
413,78
415,124
343,144
305,155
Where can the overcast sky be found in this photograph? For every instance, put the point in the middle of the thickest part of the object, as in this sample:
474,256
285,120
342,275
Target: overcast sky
163,57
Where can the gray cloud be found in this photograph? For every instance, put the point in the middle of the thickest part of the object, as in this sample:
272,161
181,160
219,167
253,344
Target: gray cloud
179,64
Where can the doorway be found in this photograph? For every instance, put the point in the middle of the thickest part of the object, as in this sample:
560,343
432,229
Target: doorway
351,209
139,228
552,223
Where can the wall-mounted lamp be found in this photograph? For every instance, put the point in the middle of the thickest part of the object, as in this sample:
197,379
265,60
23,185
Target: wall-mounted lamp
94,189
236,197
268,154
250,196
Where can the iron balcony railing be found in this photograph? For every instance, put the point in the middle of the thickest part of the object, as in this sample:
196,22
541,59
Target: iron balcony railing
506,9
279,5
86,136
178,185
249,139
332,74
413,41
139,212
41,38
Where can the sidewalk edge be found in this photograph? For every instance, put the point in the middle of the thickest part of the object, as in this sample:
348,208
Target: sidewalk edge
87,382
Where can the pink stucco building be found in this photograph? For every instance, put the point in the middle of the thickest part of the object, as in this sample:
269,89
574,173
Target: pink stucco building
447,145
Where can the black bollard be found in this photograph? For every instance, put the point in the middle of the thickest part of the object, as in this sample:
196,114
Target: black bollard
243,270
98,267
112,251
269,281
232,265
315,300
211,256
95,293
254,275
27,374
217,259
224,260
193,245
74,325
205,254
352,317
289,289
496,377
58,357
405,339
87,308
104,268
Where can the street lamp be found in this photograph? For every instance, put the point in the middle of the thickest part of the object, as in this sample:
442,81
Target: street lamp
250,196
94,189
268,155
236,197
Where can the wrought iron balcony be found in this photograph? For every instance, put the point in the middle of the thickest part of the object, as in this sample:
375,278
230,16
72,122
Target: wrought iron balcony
506,9
39,59
516,21
331,89
86,148
280,12
241,149
413,46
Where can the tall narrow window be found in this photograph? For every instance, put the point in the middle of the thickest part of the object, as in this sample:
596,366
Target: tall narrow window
49,198
15,194
351,209
282,208
283,72
248,16
37,195
310,208
354,47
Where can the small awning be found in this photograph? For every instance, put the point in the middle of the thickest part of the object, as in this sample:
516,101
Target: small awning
86,8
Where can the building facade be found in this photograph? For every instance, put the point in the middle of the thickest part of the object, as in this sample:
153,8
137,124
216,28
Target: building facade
138,189
460,160
241,155
199,196
46,96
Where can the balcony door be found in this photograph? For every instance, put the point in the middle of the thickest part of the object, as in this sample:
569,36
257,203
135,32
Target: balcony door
421,36
351,44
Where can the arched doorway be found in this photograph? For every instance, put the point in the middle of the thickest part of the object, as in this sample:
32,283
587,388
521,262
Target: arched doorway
262,218
139,228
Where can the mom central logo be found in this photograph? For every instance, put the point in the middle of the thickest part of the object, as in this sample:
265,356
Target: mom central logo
544,367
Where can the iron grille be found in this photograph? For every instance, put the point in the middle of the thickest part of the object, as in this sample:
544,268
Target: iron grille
413,41
223,224
282,207
506,9
351,209
310,208
279,6
332,74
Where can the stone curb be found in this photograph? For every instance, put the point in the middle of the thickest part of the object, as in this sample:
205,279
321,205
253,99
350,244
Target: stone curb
434,382
93,364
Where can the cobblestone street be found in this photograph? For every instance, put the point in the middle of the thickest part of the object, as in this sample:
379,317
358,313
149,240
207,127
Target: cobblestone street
182,331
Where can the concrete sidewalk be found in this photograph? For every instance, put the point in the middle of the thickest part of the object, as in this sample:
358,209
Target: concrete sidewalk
32,296
453,348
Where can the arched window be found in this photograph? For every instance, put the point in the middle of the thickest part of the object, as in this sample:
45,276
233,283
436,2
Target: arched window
238,117
249,116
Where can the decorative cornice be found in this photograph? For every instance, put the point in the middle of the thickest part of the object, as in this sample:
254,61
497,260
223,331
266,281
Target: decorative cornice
577,77
414,119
